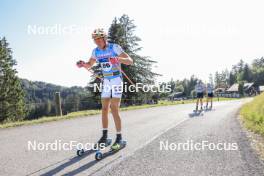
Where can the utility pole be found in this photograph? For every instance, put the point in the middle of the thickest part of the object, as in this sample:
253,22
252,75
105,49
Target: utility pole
58,104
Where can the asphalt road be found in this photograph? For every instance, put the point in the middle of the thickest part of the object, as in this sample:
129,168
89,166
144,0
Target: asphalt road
145,130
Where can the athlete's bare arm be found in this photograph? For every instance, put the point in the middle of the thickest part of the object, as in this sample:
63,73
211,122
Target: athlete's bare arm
124,58
90,63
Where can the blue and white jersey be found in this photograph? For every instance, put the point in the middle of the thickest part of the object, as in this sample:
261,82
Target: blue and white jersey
199,88
109,70
210,88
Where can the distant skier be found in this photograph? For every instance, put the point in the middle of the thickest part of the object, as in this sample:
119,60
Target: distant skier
199,89
210,95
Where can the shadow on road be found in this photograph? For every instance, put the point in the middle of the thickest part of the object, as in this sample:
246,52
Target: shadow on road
90,164
81,169
70,162
195,114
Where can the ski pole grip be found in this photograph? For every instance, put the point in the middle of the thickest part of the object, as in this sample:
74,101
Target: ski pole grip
80,63
114,60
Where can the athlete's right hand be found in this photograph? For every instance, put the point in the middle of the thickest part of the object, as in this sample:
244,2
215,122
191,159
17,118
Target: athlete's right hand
80,64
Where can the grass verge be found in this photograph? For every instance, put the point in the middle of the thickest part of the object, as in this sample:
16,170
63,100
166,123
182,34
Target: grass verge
252,115
94,112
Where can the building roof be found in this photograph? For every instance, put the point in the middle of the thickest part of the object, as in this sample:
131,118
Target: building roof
261,88
220,90
248,85
233,88
175,94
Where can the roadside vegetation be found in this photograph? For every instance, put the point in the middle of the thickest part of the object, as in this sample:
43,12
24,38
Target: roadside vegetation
252,115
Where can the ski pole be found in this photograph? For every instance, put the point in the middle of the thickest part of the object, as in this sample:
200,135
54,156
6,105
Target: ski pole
89,70
131,82
116,62
81,63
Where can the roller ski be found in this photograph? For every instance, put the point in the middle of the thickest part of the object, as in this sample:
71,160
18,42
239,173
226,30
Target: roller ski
206,108
114,149
200,111
101,144
197,112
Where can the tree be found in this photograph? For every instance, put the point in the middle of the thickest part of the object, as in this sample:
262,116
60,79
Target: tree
121,32
189,85
240,65
47,107
258,63
72,103
217,79
222,79
172,83
179,88
241,88
12,105
232,79
258,71
246,74
211,79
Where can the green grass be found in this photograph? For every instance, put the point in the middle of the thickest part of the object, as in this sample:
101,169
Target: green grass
252,114
94,112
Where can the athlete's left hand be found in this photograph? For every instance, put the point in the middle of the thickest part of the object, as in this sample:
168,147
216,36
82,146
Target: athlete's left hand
114,60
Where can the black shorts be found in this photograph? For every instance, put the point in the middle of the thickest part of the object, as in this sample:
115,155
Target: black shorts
211,95
200,95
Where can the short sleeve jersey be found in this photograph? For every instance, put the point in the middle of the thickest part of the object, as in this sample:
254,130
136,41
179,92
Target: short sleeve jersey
199,88
210,88
102,57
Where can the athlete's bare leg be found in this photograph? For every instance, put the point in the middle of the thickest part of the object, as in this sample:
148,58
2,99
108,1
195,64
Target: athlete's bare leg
115,103
105,111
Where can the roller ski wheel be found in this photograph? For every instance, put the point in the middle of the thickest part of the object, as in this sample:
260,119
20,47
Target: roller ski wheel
99,155
81,152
